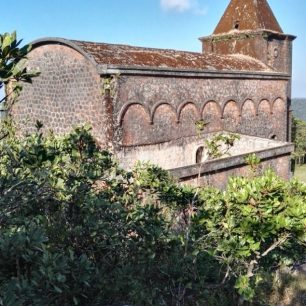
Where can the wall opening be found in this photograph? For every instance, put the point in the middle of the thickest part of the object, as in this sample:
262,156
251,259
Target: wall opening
274,137
236,25
199,155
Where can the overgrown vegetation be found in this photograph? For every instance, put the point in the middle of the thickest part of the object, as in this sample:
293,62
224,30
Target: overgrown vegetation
75,229
299,139
12,67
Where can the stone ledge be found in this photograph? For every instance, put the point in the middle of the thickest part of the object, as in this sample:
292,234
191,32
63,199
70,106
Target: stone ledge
230,162
191,73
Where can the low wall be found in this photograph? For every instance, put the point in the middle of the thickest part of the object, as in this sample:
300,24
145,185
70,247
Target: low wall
217,172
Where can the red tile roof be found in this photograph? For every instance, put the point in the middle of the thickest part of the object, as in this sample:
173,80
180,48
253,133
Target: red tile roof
130,56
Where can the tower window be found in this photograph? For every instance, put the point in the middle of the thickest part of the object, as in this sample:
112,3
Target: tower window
236,25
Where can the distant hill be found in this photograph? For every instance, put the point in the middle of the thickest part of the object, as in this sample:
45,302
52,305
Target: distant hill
299,108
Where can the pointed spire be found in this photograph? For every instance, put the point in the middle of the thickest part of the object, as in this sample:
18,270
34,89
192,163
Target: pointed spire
244,15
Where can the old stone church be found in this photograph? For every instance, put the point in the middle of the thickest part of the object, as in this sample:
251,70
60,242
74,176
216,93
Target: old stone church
143,103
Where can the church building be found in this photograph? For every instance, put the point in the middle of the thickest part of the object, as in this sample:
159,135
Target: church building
143,103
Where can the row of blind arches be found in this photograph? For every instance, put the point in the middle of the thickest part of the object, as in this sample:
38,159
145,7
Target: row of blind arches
230,108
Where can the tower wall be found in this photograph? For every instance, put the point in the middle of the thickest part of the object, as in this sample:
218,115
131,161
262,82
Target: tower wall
270,48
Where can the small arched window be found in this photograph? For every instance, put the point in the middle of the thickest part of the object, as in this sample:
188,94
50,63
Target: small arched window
236,25
199,155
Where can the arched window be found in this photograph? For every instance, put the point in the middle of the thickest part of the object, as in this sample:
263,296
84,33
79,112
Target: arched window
236,25
199,155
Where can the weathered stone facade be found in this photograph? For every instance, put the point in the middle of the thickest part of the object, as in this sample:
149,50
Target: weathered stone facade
143,103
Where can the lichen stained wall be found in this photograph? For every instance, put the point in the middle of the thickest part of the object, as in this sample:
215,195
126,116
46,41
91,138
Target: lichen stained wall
154,115
270,49
219,179
66,93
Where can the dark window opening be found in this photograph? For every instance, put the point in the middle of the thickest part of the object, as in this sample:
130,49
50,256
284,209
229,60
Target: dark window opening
236,25
199,155
274,137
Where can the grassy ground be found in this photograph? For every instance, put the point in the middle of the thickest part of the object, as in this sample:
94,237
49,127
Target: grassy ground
300,173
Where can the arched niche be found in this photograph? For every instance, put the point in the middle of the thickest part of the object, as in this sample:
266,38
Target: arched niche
165,123
280,119
136,126
231,116
264,107
248,124
264,119
188,114
279,106
248,109
211,114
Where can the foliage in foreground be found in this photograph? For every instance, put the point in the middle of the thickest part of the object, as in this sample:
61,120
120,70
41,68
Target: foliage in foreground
12,67
299,139
75,229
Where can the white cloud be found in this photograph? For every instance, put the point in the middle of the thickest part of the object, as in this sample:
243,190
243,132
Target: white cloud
182,6
200,11
176,5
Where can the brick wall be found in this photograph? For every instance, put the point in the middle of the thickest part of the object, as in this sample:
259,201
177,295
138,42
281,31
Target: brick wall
151,110
271,49
66,93
280,164
147,115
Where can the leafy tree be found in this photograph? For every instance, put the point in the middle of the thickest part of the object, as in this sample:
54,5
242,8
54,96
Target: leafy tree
12,67
299,138
255,226
75,229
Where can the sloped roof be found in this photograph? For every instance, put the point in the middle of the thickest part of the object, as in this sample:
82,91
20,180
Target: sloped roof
248,15
130,56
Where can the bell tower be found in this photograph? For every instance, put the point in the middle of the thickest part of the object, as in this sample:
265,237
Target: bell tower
249,27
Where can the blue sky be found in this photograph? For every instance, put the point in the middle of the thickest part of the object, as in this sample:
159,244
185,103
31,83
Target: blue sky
174,24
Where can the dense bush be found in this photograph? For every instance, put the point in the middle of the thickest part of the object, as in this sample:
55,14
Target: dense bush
75,229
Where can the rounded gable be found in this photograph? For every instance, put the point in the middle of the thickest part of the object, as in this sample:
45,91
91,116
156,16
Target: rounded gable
65,42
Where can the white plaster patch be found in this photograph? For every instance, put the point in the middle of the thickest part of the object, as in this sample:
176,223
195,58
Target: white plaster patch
182,152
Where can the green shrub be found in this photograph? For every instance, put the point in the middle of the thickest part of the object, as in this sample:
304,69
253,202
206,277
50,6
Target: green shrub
75,229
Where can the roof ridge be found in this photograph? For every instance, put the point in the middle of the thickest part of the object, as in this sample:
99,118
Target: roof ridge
133,47
138,57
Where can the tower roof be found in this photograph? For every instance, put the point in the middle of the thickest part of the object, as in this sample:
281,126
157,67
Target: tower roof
248,15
